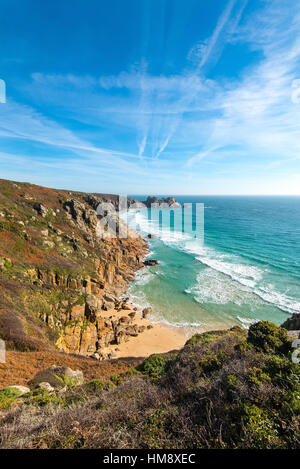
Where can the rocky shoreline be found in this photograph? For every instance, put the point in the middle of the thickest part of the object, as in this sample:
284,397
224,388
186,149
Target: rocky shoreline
63,277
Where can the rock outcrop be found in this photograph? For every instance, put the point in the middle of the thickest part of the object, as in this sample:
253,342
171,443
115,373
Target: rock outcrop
63,267
150,262
164,201
57,376
293,325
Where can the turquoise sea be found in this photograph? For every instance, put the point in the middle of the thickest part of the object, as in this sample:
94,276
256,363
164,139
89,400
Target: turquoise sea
247,269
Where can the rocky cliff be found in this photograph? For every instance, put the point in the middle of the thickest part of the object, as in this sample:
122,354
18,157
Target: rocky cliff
61,274
164,202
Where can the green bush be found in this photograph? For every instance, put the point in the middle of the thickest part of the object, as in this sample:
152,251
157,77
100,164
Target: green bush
260,429
267,337
200,339
155,365
42,398
257,376
212,395
7,397
95,385
115,379
232,381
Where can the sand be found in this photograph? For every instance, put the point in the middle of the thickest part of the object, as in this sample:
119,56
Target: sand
159,338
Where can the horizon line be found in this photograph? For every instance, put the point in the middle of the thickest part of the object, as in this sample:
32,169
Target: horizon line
153,194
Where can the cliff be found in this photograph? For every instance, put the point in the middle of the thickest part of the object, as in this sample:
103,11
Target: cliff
61,276
150,201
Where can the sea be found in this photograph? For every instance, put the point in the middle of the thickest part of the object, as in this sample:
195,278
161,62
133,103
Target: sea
244,267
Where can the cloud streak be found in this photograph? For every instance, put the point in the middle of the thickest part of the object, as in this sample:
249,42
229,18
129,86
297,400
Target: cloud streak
138,127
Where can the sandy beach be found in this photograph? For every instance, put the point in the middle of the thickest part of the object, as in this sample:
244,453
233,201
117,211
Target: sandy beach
156,338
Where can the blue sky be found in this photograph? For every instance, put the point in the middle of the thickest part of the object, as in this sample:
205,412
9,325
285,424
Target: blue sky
152,96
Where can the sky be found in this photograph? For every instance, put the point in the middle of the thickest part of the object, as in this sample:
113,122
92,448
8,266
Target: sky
151,96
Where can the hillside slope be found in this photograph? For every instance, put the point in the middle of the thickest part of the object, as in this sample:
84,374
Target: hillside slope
60,282
224,389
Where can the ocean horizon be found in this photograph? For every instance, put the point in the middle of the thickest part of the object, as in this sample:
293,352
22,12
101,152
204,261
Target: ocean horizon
247,269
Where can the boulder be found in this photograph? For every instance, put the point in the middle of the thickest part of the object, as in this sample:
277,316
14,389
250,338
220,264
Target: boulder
56,376
121,337
124,320
146,312
293,323
46,386
132,331
41,209
150,262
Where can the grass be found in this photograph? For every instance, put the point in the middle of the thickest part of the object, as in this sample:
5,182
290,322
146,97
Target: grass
8,397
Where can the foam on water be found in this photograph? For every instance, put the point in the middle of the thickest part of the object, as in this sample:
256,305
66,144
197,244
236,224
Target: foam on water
224,278
280,300
143,276
246,322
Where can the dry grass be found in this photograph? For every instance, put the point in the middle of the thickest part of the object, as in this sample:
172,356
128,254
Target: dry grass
20,367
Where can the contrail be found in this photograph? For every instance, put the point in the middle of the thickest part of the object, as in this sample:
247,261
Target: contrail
208,50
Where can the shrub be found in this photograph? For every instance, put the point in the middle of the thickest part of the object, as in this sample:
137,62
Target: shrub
7,397
114,379
260,429
42,398
155,365
257,376
284,373
232,381
95,385
267,337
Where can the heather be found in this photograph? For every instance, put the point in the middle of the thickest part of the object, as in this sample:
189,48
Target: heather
223,389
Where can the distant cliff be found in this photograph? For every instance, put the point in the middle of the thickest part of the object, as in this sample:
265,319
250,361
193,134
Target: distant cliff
150,201
164,201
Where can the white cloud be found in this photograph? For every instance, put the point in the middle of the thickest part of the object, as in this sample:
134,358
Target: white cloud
258,112
180,123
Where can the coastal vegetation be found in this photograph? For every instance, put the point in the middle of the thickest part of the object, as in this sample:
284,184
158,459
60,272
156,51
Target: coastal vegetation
223,389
